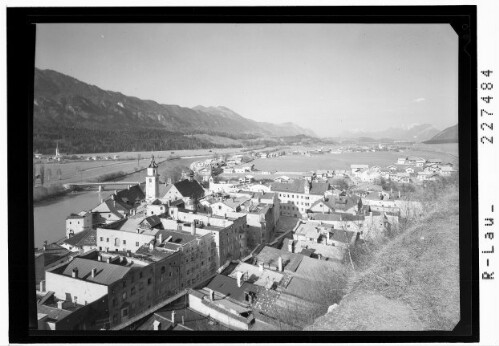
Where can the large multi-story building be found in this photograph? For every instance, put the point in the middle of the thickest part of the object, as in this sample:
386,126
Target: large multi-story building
128,284
297,196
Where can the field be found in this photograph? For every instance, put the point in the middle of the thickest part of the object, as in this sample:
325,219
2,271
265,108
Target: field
299,163
74,172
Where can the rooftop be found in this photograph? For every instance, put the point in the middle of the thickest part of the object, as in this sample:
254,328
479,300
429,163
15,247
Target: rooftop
84,238
106,273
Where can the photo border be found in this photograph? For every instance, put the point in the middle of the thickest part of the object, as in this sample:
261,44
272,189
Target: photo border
21,36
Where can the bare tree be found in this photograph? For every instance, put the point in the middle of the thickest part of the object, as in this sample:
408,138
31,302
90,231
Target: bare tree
48,173
42,174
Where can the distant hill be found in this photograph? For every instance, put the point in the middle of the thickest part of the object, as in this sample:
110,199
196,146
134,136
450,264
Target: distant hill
449,135
63,103
412,133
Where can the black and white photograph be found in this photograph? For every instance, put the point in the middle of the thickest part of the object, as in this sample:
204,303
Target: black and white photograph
219,177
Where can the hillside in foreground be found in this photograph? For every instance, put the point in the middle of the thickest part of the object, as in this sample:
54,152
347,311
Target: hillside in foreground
412,282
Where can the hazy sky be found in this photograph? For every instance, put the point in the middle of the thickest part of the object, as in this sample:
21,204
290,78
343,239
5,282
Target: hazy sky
326,77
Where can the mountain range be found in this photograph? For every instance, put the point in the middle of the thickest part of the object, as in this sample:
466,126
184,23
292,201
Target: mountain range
413,132
65,101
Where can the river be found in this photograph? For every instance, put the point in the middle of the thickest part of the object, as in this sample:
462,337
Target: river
50,215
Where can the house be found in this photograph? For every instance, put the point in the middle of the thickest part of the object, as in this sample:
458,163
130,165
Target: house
358,168
82,242
324,205
48,256
188,190
76,223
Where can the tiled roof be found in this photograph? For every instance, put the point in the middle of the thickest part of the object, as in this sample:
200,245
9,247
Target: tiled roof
298,186
319,188
85,238
156,253
228,287
190,188
106,273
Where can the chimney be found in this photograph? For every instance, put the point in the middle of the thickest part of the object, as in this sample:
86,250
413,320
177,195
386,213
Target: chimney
169,181
94,271
75,273
399,194
193,227
42,286
60,304
99,258
151,246
279,263
212,294
260,267
108,260
156,325
182,319
290,246
239,277
173,316
160,238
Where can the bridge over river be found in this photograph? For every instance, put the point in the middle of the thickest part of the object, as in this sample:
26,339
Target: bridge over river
101,186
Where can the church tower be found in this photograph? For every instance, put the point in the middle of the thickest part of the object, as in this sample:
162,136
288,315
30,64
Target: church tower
152,181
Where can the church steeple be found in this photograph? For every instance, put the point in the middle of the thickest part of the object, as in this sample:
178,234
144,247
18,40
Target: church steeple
152,181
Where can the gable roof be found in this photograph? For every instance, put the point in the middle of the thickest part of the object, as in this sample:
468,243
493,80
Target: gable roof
190,188
84,238
130,196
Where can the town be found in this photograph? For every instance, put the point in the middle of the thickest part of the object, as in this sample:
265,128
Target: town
226,246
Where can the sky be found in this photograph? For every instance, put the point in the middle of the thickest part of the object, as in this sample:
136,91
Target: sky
330,78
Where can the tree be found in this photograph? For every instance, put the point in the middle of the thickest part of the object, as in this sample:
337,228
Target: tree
174,173
59,173
42,174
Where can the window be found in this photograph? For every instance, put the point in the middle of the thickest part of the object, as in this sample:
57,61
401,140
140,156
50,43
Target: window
124,242
140,275
107,240
137,243
100,248
149,281
70,222
124,283
101,239
162,270
124,296
124,312
114,302
132,291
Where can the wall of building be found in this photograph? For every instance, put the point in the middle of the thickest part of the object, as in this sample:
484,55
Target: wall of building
296,204
66,288
107,240
196,304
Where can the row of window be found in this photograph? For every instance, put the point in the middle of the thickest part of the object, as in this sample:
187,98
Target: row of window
293,196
